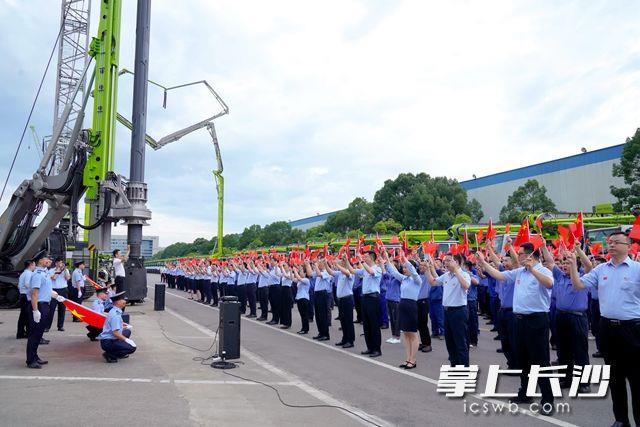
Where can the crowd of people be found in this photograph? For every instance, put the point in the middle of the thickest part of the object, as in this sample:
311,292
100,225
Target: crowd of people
537,297
44,286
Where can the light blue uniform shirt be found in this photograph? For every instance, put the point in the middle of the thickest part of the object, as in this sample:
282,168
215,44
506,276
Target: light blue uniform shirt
242,278
529,296
618,288
275,280
113,322
323,283
453,295
23,283
424,288
77,275
97,305
264,279
568,298
409,285
344,285
40,279
393,288
370,282
303,289
60,282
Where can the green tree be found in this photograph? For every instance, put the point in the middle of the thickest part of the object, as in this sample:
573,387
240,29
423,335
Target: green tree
463,218
629,170
420,201
249,235
358,215
389,226
474,208
529,198
255,244
276,233
231,241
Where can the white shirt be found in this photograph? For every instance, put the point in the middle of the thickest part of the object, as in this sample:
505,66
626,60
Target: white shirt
118,267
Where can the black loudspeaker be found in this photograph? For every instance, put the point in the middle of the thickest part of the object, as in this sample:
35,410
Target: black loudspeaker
229,334
158,299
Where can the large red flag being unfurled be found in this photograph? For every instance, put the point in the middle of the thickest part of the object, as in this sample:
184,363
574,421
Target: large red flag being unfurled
85,314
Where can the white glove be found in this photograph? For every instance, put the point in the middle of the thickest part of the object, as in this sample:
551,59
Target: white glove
127,326
37,316
60,298
130,342
79,294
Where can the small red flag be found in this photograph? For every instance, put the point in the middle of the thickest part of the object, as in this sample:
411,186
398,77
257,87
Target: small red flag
507,228
566,236
536,240
595,249
538,223
479,235
579,230
523,234
394,240
635,230
491,232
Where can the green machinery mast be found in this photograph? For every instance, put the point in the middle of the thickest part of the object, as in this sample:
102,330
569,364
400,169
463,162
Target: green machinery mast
219,179
105,50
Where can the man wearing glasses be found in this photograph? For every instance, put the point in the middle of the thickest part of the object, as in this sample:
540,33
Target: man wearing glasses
618,285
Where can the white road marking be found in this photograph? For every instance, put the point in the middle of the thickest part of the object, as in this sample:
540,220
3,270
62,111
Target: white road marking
139,380
318,394
550,420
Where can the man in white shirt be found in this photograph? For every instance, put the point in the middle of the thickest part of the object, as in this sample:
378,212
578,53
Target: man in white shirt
118,266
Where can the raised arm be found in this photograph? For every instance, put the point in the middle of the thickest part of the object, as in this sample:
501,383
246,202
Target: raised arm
489,269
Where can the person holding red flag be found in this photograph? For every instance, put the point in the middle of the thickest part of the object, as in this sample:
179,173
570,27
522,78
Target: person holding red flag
618,285
98,306
115,340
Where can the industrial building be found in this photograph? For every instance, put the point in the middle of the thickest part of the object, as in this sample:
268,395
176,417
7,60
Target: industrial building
148,248
575,183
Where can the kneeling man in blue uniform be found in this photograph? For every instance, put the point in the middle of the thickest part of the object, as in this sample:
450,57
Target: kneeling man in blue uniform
115,339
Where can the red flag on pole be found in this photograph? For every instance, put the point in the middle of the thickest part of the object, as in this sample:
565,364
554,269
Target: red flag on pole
635,230
566,236
579,231
405,243
491,232
538,223
595,249
507,228
523,235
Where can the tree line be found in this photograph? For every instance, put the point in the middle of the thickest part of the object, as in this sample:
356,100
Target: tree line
413,202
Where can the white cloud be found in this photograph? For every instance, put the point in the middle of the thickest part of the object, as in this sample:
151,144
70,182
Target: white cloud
329,99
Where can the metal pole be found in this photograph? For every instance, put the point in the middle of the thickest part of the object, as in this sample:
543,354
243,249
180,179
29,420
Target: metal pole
139,116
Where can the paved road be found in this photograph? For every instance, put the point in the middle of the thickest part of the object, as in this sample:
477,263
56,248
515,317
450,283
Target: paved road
377,386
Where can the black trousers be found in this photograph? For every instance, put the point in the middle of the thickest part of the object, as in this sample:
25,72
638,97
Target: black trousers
286,301
456,326
532,348
200,288
119,281
394,317
117,349
508,336
345,311
321,305
37,329
274,300
371,321
24,325
357,302
242,297
62,309
206,290
93,332
423,321
251,290
171,281
573,341
214,292
303,310
621,349
263,298
594,312
472,307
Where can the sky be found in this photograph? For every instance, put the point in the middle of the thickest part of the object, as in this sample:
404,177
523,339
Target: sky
330,99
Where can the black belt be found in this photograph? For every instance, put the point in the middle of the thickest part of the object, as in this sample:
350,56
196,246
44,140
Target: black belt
574,312
372,295
460,307
622,322
537,314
